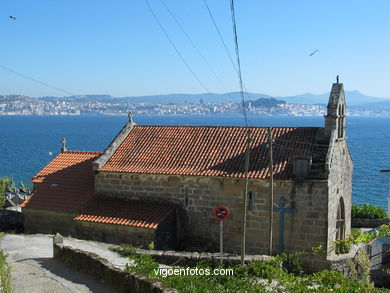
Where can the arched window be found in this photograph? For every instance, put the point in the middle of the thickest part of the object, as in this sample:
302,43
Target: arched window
340,221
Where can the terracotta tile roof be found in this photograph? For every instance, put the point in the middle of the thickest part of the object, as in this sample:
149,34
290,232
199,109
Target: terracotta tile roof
129,213
210,151
65,184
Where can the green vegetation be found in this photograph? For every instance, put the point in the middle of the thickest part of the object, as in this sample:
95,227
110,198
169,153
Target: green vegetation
7,183
5,275
357,236
279,274
368,211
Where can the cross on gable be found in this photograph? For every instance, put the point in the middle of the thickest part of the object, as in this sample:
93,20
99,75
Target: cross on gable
282,208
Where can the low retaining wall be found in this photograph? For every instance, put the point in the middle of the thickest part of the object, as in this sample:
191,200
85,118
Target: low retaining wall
368,223
11,220
311,262
100,268
355,265
184,258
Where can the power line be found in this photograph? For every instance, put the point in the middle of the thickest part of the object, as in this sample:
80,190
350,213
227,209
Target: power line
36,81
248,139
224,44
220,36
195,47
174,47
238,61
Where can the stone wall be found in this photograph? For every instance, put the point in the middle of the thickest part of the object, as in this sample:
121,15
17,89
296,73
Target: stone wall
48,222
196,225
368,223
340,167
115,234
101,269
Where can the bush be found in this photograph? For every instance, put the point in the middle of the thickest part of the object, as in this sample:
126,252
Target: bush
368,211
5,274
256,277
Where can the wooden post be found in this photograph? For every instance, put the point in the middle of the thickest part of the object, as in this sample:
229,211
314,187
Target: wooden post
245,205
271,189
221,240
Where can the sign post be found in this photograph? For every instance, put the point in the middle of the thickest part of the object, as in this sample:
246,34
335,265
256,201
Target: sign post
221,213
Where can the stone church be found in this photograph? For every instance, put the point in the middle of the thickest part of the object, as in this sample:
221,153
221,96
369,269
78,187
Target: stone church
161,184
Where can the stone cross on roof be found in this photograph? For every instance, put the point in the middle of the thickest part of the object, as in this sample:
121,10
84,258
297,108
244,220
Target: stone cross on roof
63,147
130,117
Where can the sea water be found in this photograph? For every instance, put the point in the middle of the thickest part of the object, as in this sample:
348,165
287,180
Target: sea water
28,143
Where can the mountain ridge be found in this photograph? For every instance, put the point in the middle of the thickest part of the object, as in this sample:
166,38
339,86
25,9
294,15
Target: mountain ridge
354,98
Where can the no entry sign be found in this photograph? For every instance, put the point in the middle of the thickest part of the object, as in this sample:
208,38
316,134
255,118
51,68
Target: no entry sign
221,213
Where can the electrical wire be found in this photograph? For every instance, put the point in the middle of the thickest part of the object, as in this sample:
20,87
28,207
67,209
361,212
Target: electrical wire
220,36
238,60
226,49
174,47
36,81
196,48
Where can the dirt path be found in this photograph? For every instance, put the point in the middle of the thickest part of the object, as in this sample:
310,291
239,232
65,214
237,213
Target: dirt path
33,268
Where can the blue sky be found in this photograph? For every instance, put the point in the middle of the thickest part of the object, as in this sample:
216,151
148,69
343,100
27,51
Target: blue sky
116,47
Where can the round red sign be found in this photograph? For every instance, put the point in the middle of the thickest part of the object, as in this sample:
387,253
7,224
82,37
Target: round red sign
221,213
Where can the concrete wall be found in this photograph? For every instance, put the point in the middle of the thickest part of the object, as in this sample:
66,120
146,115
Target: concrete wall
198,228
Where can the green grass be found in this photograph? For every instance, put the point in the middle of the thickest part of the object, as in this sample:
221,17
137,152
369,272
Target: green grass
5,275
269,276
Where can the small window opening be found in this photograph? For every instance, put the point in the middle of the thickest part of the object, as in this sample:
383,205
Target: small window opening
250,201
340,220
186,196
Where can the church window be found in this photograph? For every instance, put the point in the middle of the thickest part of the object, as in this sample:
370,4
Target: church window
250,201
340,221
186,196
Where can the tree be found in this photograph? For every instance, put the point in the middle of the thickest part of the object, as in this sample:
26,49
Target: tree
6,184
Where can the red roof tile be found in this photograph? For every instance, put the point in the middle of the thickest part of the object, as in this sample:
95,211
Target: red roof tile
65,184
129,213
209,151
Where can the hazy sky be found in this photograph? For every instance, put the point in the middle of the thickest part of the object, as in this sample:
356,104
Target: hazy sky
116,47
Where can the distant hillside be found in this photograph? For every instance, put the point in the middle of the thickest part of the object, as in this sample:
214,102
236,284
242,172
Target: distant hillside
191,98
265,102
353,98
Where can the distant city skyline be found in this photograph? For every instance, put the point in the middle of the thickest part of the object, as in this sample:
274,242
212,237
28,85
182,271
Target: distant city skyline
117,48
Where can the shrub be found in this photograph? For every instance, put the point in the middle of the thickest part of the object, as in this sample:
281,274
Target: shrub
5,275
256,277
368,211
342,246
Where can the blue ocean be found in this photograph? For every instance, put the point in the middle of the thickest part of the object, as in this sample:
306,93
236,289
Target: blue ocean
28,143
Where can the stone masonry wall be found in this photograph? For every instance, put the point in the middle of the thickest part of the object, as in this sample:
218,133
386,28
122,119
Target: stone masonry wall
102,269
340,185
198,228
48,222
116,234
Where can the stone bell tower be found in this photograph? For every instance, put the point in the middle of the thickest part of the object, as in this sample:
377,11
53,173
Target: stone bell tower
336,114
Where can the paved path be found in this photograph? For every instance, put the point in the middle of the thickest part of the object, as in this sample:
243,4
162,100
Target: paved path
99,248
33,268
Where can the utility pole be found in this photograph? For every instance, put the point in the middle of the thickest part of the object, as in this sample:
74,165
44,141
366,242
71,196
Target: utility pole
271,187
245,205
